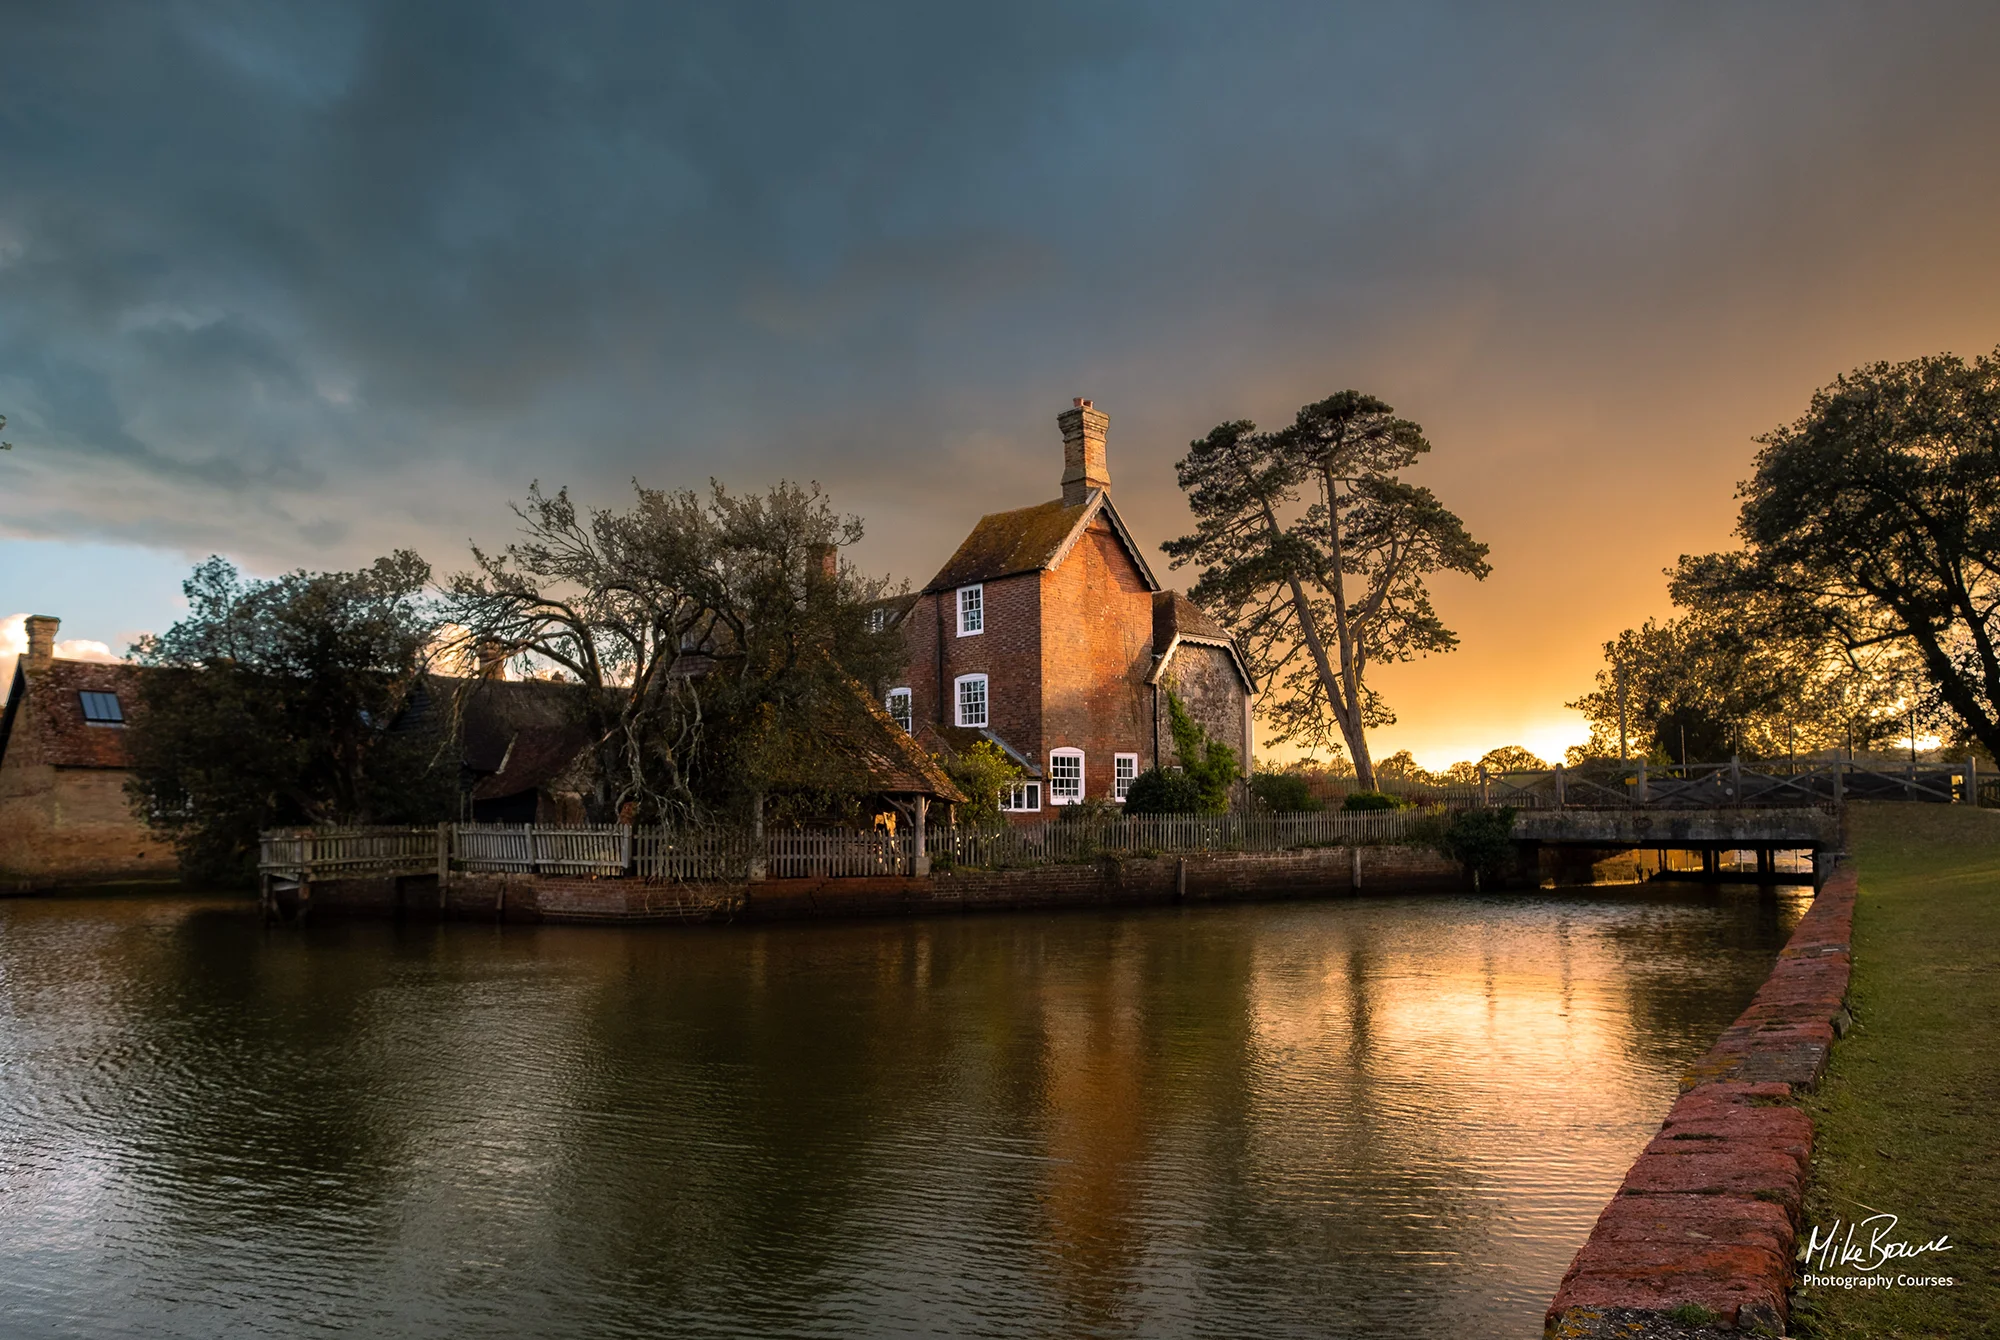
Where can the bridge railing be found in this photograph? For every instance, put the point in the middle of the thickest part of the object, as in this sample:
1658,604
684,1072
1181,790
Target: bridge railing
1733,784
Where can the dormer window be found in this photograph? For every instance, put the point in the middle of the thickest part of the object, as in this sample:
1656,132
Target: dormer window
969,691
898,705
102,709
878,619
971,610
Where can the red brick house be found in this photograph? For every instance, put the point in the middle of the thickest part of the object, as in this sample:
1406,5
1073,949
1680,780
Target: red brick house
64,814
1048,634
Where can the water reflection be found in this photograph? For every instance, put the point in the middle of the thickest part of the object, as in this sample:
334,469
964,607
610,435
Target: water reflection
1322,1119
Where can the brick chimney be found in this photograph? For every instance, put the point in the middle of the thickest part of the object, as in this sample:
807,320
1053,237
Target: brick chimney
490,654
1084,466
42,640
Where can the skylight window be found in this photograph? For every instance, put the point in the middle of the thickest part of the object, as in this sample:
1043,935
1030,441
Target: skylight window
102,709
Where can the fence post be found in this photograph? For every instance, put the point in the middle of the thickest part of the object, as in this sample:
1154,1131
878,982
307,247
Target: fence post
1839,783
1561,797
920,857
759,857
444,860
1972,780
1644,797
1736,779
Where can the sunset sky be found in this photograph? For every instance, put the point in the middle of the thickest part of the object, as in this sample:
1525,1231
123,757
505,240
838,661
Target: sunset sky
302,283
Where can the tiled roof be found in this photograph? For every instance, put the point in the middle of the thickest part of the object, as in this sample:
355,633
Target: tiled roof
896,763
958,739
44,714
1174,614
1029,539
1026,539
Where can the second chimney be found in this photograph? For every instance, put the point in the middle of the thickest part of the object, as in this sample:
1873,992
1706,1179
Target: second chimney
1084,466
42,640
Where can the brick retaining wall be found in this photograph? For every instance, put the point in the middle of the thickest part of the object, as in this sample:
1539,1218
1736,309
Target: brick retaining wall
1107,882
1709,1214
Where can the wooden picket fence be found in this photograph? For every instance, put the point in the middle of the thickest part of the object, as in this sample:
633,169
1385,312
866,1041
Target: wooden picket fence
722,854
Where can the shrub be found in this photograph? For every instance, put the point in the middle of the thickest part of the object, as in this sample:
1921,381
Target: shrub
1285,792
1480,840
1155,791
1370,800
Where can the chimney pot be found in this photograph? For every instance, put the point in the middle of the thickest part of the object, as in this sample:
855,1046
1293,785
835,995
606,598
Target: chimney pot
42,640
1085,467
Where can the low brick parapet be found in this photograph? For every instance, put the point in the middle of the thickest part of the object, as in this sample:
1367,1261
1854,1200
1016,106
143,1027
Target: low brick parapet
1709,1213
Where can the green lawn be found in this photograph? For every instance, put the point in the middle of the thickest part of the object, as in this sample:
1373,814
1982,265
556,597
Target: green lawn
1908,1112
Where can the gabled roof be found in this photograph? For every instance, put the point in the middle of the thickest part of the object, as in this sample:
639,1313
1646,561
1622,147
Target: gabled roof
44,714
896,763
1176,619
957,739
1033,539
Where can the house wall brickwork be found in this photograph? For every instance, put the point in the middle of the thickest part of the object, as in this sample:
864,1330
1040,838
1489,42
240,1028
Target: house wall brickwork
1097,649
65,817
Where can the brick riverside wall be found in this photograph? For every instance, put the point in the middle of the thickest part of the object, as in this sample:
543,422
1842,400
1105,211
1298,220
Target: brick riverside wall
1222,877
1709,1214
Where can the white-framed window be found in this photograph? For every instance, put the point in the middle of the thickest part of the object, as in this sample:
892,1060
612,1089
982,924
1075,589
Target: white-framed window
1124,767
1065,776
971,610
969,693
898,706
878,619
1021,796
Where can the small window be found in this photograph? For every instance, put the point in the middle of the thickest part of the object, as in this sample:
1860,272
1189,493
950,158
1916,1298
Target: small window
1065,776
971,610
102,709
1021,796
898,704
1124,767
878,619
971,696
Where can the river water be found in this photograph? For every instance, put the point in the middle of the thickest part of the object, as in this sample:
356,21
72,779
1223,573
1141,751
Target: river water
1385,1116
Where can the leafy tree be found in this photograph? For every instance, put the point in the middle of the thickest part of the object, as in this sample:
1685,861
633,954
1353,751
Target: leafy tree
982,771
1872,523
1315,554
719,640
272,704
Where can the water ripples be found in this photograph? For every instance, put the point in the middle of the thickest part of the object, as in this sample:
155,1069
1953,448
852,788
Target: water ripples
1322,1119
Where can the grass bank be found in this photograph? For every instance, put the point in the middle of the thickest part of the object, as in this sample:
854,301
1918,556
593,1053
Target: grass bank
1908,1115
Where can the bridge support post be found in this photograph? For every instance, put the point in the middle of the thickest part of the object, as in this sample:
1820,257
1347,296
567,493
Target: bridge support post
1711,863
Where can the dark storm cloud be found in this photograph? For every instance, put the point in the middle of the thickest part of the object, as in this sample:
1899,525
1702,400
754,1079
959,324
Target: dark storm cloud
307,281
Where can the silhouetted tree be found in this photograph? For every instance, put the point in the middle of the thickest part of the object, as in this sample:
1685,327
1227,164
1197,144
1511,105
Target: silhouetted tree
1315,554
274,703
1873,523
